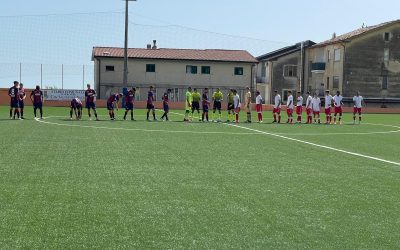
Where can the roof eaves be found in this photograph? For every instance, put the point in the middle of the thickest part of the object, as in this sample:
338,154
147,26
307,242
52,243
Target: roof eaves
277,55
177,59
348,39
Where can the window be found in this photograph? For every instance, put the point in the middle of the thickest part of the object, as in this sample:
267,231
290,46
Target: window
290,71
150,68
337,55
285,94
238,71
329,55
386,55
336,82
191,69
109,68
205,70
327,83
263,69
385,82
387,36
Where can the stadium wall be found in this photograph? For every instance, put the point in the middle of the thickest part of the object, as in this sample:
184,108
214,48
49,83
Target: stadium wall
101,103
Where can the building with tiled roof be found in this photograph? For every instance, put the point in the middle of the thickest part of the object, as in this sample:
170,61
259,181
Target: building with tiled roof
213,55
174,69
280,70
353,34
366,60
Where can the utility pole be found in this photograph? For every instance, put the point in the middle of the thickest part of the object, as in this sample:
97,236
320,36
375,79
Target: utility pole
20,72
83,77
41,75
302,68
125,79
62,76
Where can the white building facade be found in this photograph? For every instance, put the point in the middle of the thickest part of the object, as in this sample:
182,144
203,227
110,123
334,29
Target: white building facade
174,69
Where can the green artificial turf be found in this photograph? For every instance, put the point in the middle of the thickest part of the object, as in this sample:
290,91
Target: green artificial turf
175,185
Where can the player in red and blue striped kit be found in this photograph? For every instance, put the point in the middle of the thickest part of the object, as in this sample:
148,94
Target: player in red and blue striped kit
150,105
206,104
14,102
112,102
129,99
21,99
165,99
37,100
76,105
90,94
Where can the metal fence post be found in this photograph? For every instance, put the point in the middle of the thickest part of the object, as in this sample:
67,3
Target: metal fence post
83,77
62,76
41,76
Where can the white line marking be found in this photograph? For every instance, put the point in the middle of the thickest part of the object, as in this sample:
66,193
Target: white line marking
237,126
330,134
317,145
294,134
350,133
137,129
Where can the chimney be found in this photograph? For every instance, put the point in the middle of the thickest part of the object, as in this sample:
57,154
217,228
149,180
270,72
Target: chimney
148,46
334,35
154,44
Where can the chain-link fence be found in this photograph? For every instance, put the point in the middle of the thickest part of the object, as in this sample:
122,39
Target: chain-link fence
177,93
48,76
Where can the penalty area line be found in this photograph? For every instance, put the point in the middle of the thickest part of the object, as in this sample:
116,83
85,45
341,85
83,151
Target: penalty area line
139,129
316,145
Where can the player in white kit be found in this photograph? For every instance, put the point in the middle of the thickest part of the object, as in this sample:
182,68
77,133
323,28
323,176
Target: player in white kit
299,106
338,102
309,108
236,104
358,101
277,107
247,104
316,108
259,101
328,105
289,107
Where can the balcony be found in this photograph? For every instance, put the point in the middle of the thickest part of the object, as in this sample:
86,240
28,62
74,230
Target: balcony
261,79
318,68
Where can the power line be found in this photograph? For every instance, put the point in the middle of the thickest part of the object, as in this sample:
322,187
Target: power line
168,24
210,32
119,11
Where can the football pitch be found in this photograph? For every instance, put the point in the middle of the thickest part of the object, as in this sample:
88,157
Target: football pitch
175,185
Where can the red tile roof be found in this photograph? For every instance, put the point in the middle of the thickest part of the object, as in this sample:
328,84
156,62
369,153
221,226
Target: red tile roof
178,54
355,33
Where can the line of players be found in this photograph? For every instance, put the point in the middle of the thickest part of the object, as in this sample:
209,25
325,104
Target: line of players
17,101
193,99
192,104
313,107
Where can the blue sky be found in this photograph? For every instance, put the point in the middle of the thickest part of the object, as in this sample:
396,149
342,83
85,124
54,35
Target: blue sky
43,31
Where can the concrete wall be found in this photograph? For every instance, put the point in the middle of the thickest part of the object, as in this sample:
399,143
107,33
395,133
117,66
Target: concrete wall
361,67
365,66
318,82
169,74
277,79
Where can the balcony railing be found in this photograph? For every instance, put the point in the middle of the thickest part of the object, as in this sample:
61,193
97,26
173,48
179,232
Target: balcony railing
261,79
